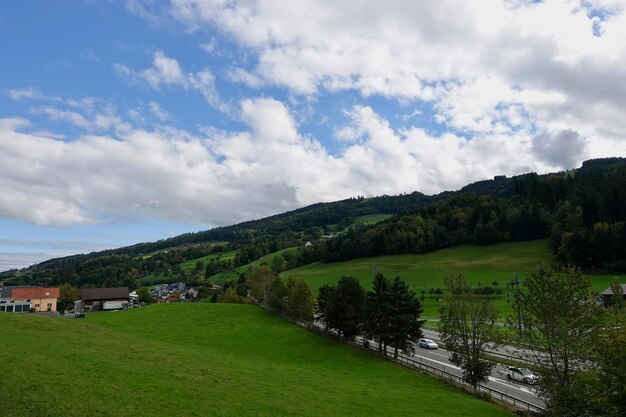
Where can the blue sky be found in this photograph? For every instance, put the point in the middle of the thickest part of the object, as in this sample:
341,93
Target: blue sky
130,121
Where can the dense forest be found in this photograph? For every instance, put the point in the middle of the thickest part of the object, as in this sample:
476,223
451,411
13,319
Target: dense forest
582,212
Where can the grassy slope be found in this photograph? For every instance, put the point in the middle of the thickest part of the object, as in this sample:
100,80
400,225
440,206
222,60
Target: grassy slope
481,264
203,360
190,265
372,218
234,274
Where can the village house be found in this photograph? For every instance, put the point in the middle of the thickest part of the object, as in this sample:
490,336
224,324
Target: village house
607,295
95,299
26,299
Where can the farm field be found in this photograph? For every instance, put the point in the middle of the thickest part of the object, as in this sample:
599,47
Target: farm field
205,360
483,265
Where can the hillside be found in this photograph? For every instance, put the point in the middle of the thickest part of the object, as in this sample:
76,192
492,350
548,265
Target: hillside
582,212
206,360
483,265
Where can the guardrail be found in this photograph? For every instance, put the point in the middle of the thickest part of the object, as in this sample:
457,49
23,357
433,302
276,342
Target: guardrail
502,396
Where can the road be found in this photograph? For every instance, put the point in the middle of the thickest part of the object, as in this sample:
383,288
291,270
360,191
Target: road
439,359
507,351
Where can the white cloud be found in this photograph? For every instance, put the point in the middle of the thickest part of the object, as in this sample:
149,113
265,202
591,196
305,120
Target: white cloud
159,112
166,71
90,118
225,177
25,94
492,66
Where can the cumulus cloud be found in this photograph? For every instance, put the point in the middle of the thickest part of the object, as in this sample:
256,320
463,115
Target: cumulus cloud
564,149
167,72
488,67
229,176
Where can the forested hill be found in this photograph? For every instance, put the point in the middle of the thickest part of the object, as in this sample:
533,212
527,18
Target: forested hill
583,212
319,215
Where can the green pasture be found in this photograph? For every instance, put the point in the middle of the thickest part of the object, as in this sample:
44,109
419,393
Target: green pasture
370,219
190,265
223,277
482,265
205,360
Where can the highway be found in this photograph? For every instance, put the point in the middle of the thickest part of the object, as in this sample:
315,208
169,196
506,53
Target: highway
439,358
507,351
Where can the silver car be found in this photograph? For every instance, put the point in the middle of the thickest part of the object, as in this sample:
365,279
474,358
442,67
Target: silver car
428,344
521,374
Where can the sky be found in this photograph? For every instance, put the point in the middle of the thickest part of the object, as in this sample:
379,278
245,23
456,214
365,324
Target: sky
130,121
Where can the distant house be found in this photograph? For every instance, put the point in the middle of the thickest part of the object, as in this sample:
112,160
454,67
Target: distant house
607,295
192,293
106,298
176,287
25,299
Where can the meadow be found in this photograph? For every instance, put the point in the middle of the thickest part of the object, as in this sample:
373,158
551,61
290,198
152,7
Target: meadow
493,265
205,360
190,265
233,275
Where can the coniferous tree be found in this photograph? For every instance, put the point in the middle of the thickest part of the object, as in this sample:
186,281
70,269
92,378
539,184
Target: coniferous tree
405,327
322,305
377,308
346,309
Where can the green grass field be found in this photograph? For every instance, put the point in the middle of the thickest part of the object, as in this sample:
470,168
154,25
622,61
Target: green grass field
205,360
370,219
481,264
190,265
234,274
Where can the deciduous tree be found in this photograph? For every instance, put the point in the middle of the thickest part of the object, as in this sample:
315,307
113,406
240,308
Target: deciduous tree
259,282
562,322
300,301
468,329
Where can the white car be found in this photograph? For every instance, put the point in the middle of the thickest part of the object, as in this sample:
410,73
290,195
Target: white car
521,374
428,344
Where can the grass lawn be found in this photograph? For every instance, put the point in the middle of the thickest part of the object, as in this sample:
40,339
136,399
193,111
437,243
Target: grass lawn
481,264
205,360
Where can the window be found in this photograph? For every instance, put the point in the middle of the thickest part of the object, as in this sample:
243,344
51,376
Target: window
49,305
36,305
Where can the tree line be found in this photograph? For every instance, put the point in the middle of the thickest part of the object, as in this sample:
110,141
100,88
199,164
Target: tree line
389,313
